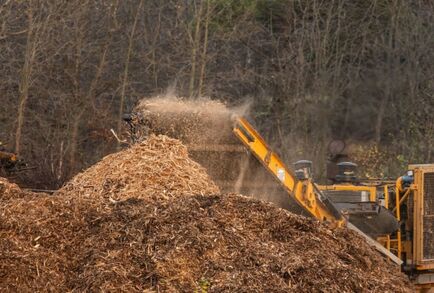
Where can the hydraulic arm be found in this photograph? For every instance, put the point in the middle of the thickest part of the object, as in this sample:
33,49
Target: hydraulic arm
303,190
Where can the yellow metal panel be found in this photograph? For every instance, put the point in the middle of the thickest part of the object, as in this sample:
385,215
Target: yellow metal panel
428,266
263,153
398,216
386,196
302,191
419,216
349,187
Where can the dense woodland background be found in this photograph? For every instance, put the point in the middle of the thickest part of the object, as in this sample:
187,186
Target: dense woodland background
313,70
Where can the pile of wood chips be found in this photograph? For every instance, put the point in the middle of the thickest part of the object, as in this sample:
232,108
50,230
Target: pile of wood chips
158,166
148,219
10,190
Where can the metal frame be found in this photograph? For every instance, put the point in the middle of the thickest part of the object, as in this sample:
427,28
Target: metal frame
418,217
305,192
384,240
348,187
308,195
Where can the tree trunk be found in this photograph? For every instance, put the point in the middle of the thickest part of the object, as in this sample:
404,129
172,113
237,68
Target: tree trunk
380,116
85,100
194,49
26,76
126,68
204,51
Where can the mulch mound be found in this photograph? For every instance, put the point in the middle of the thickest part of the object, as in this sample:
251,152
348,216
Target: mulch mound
104,232
159,166
10,190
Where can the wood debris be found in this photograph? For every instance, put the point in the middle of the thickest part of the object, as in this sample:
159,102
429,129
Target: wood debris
9,190
148,219
158,166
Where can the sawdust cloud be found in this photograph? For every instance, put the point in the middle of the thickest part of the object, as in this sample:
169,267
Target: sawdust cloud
204,124
200,105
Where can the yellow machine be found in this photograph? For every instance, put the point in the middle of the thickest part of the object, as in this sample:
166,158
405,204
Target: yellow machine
414,206
411,200
8,160
10,163
394,217
301,188
304,191
8,157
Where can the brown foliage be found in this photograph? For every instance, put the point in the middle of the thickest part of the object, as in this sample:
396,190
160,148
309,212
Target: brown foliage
314,70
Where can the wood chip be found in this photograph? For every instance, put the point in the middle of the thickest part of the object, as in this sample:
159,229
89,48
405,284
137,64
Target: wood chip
149,219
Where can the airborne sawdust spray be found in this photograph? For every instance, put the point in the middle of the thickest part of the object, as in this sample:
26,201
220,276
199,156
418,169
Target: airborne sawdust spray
205,126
